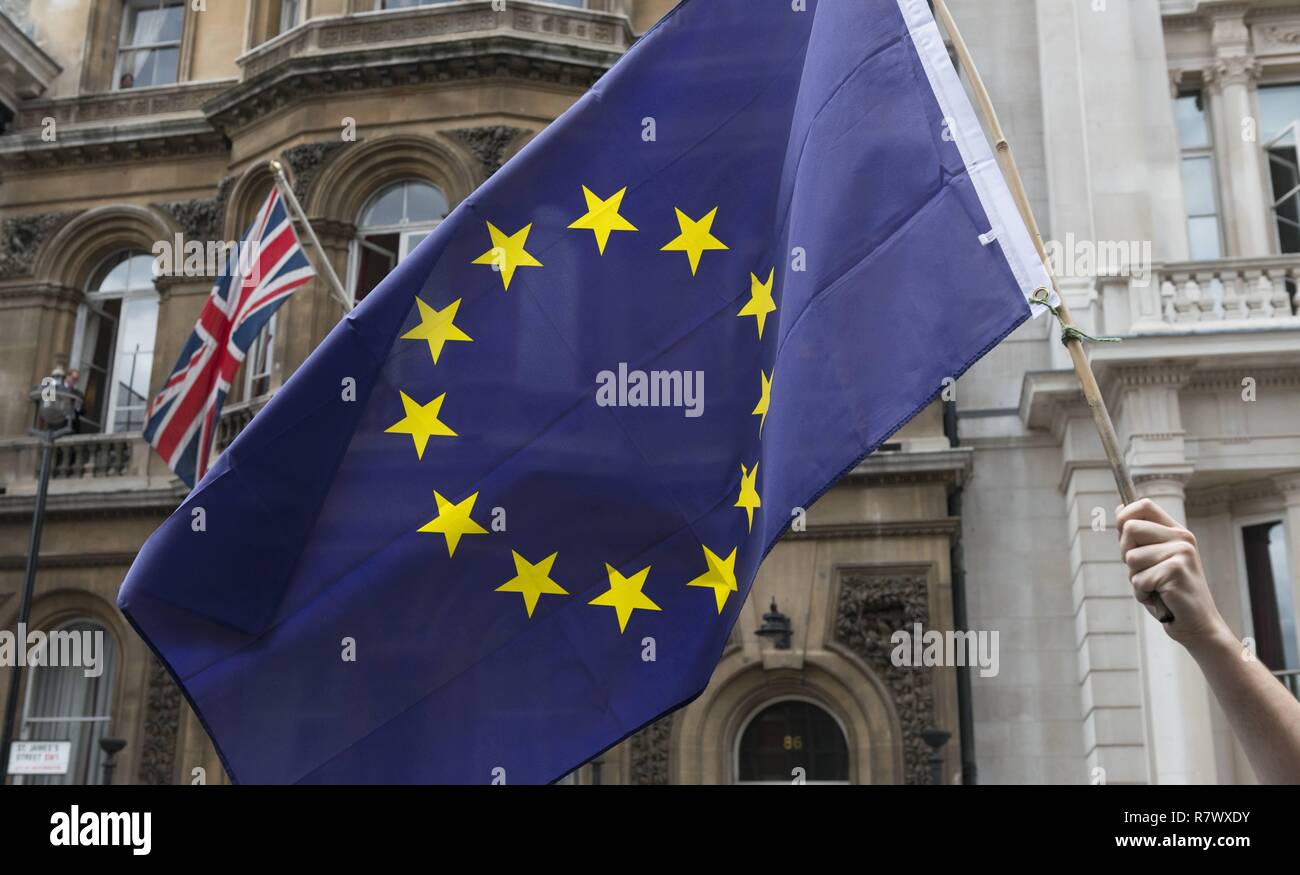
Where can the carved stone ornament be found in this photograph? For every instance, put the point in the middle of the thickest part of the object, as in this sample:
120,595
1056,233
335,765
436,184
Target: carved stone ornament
489,144
201,219
649,749
161,727
21,238
871,607
1232,70
306,162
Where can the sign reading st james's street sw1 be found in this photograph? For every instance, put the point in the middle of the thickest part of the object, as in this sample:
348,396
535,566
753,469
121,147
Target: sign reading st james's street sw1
40,757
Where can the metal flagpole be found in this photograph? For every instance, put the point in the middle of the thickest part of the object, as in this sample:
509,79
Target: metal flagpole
336,287
1082,368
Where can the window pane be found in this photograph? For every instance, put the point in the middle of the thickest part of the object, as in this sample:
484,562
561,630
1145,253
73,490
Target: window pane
134,363
1279,105
148,67
152,26
1198,186
386,209
96,360
425,203
1203,236
1189,112
378,255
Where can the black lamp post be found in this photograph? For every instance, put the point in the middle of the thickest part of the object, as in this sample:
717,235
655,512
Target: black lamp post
776,626
111,747
56,407
936,739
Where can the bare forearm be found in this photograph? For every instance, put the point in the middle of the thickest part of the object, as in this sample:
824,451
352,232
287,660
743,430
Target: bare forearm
1264,715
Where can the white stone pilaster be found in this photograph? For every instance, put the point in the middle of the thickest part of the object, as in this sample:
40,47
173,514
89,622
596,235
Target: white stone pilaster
1230,84
1180,735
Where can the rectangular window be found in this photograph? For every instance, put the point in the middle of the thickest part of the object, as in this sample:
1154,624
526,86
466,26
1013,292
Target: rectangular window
289,11
1268,579
62,704
149,48
1199,189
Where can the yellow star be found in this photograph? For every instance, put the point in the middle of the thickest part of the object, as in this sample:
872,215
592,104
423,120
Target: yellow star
764,401
437,327
721,576
602,216
749,499
453,521
508,253
624,595
532,580
695,238
760,300
421,422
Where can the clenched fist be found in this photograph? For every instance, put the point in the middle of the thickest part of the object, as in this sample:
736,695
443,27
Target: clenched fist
1162,558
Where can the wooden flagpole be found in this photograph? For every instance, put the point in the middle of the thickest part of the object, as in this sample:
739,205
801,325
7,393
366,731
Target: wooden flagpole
1082,368
336,287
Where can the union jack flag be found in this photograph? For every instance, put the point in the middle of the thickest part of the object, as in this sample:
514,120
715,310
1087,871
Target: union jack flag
269,264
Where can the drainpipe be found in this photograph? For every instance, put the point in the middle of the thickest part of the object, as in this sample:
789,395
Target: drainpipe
965,717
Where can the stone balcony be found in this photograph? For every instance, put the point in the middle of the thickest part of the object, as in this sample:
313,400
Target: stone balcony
466,39
102,472
1231,308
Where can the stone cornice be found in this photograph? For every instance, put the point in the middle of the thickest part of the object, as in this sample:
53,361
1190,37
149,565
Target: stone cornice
1229,379
424,45
113,107
1045,396
69,560
138,140
944,527
38,294
1165,374
951,466
1223,496
96,505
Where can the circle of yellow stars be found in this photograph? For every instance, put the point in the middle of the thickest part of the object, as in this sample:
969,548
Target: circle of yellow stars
423,421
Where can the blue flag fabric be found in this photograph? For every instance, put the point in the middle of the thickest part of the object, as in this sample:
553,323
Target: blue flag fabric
580,413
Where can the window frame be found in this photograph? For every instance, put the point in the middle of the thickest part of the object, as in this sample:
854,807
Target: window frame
92,298
1207,153
124,49
405,231
113,656
1239,525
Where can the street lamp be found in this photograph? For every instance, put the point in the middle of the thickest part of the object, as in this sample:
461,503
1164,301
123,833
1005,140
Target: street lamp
111,748
776,626
57,405
935,739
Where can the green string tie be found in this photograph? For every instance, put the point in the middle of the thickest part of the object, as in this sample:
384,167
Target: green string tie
1041,297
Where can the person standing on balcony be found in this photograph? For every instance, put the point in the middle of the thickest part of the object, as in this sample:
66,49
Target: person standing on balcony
1162,557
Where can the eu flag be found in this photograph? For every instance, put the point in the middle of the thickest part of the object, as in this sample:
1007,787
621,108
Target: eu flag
564,432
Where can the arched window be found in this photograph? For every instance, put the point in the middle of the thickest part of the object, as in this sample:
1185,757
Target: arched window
114,343
72,702
789,735
392,223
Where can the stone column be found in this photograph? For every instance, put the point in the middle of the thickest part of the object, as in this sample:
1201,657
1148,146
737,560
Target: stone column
1180,738
1230,83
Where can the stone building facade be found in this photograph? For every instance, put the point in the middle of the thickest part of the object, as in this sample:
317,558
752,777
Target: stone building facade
128,122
